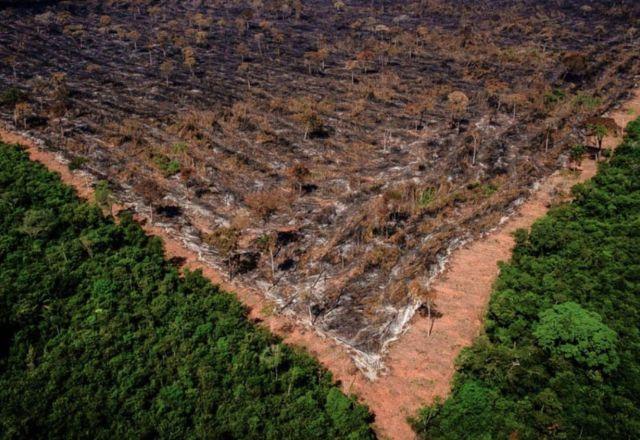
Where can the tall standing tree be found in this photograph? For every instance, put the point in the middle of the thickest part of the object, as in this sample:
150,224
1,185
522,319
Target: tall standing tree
568,330
600,127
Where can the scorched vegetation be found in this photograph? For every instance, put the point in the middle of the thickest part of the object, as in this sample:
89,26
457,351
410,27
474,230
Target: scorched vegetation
329,152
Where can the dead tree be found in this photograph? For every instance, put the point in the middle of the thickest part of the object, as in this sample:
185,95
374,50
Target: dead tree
166,69
418,289
458,105
267,243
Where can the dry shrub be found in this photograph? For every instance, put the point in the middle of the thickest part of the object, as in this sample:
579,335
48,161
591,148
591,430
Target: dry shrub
265,137
149,190
201,38
307,104
63,16
384,257
21,112
202,21
57,91
393,195
241,219
417,287
240,117
312,122
223,239
458,102
194,124
74,30
263,123
186,173
278,105
365,90
129,130
396,293
357,107
190,33
80,149
326,106
383,87
375,218
105,20
239,110
92,68
427,226
268,202
298,105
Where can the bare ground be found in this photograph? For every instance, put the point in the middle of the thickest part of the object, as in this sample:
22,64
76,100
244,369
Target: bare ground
462,294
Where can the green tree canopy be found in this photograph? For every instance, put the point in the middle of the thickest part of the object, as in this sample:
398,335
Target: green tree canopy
570,331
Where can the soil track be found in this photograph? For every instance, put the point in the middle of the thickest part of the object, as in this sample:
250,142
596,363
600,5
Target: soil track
420,366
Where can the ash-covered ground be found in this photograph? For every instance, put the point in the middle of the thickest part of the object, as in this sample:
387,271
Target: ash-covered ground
330,153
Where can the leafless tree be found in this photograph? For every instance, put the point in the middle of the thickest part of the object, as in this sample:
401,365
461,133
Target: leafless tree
166,69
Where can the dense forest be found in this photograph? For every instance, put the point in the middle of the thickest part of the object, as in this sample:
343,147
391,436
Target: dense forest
101,337
560,357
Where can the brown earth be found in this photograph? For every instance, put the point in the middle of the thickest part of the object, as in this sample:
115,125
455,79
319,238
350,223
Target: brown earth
421,363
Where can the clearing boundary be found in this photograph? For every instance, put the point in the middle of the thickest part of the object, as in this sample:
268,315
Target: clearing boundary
420,366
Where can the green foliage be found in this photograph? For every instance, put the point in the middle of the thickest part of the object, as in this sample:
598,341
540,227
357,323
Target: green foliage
36,222
561,354
570,331
488,189
472,412
554,97
598,130
485,189
77,162
101,337
426,197
167,166
103,196
11,96
588,101
577,152
179,148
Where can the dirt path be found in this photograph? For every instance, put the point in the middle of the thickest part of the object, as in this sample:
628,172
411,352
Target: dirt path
420,366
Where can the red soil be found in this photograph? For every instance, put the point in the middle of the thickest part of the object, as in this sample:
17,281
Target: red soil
420,366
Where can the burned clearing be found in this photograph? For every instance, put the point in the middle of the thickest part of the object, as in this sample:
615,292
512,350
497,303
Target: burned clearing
331,154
